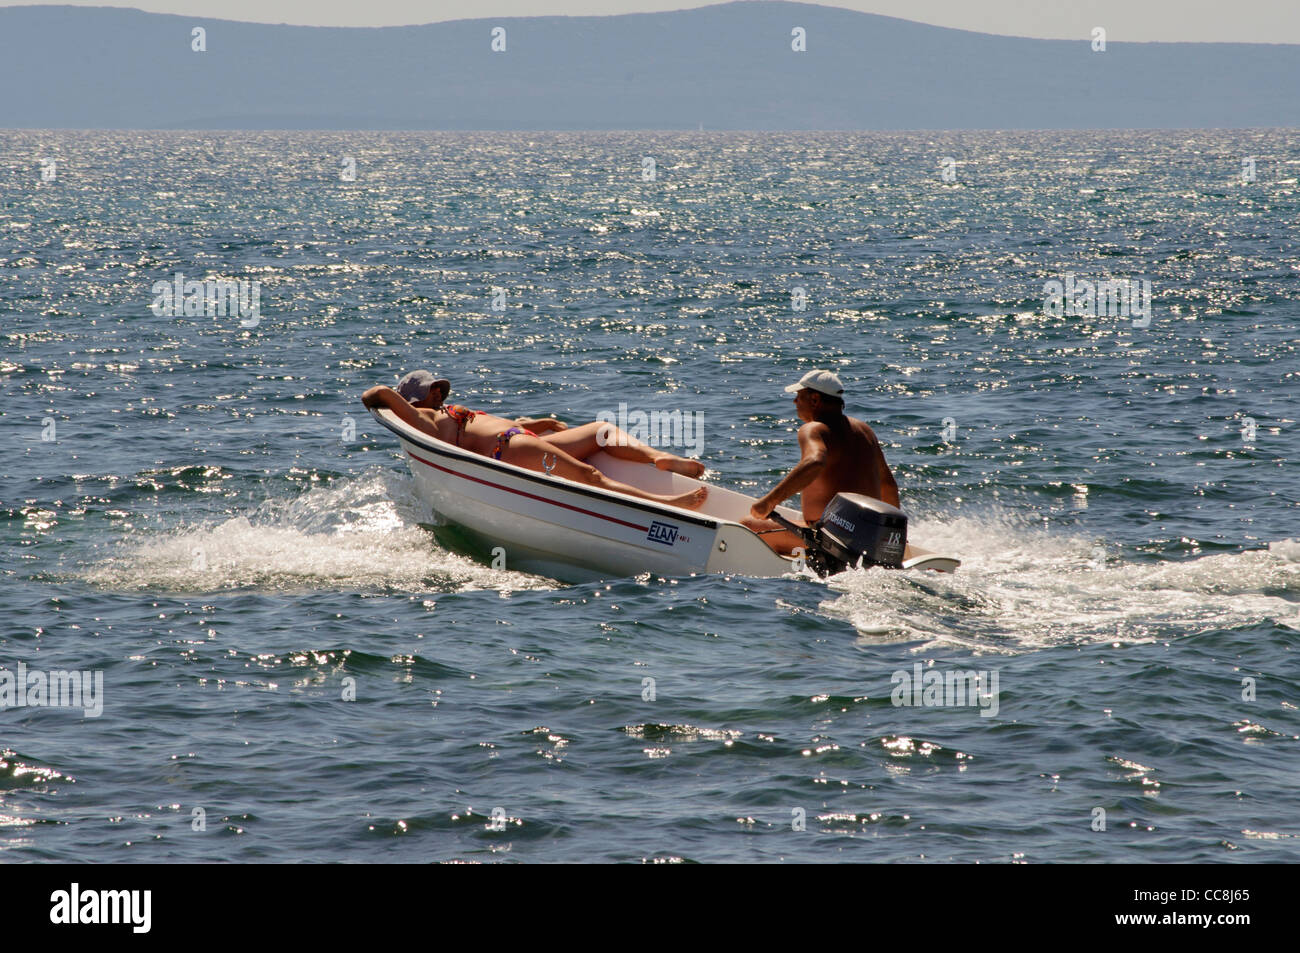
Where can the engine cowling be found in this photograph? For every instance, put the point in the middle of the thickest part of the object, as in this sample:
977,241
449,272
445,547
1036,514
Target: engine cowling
855,527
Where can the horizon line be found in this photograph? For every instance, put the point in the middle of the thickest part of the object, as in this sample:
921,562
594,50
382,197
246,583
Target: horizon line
610,16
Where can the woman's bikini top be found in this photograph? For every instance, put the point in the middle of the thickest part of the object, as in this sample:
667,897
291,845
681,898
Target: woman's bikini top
462,416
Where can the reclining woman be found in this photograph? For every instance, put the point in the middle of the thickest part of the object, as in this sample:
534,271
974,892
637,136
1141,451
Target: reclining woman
529,442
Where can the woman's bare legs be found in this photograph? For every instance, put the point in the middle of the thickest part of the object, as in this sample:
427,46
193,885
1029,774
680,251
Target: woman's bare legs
530,452
581,442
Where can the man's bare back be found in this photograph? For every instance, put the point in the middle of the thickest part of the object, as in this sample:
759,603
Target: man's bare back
854,464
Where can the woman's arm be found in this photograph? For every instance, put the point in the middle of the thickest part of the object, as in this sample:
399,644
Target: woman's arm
541,424
382,396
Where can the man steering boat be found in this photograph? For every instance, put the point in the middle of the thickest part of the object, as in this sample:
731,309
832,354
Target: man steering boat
838,454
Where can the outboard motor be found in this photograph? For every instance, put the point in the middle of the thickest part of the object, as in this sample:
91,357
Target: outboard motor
854,528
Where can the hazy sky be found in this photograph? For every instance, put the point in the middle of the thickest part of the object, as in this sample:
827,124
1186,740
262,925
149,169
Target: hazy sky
1258,21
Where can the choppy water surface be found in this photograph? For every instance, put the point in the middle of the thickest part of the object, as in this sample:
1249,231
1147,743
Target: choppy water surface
199,528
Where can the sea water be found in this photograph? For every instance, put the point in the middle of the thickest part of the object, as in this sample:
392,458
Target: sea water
197,509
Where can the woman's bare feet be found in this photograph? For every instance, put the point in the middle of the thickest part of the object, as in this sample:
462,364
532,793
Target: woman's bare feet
690,468
687,501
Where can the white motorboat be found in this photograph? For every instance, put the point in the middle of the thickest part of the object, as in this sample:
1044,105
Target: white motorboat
552,526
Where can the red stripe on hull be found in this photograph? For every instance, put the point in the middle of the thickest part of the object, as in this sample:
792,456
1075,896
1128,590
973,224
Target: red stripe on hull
531,496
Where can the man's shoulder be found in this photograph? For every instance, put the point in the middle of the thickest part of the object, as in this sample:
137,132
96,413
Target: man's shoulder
815,428
861,426
823,429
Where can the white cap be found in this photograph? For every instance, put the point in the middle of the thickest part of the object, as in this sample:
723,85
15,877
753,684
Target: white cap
824,382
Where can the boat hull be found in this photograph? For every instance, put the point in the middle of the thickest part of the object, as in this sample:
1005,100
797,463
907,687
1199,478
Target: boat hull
535,522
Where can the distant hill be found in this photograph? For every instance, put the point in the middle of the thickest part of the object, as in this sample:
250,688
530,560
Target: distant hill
726,67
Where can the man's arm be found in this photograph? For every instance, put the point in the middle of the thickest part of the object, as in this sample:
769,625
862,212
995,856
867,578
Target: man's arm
888,485
381,396
812,448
